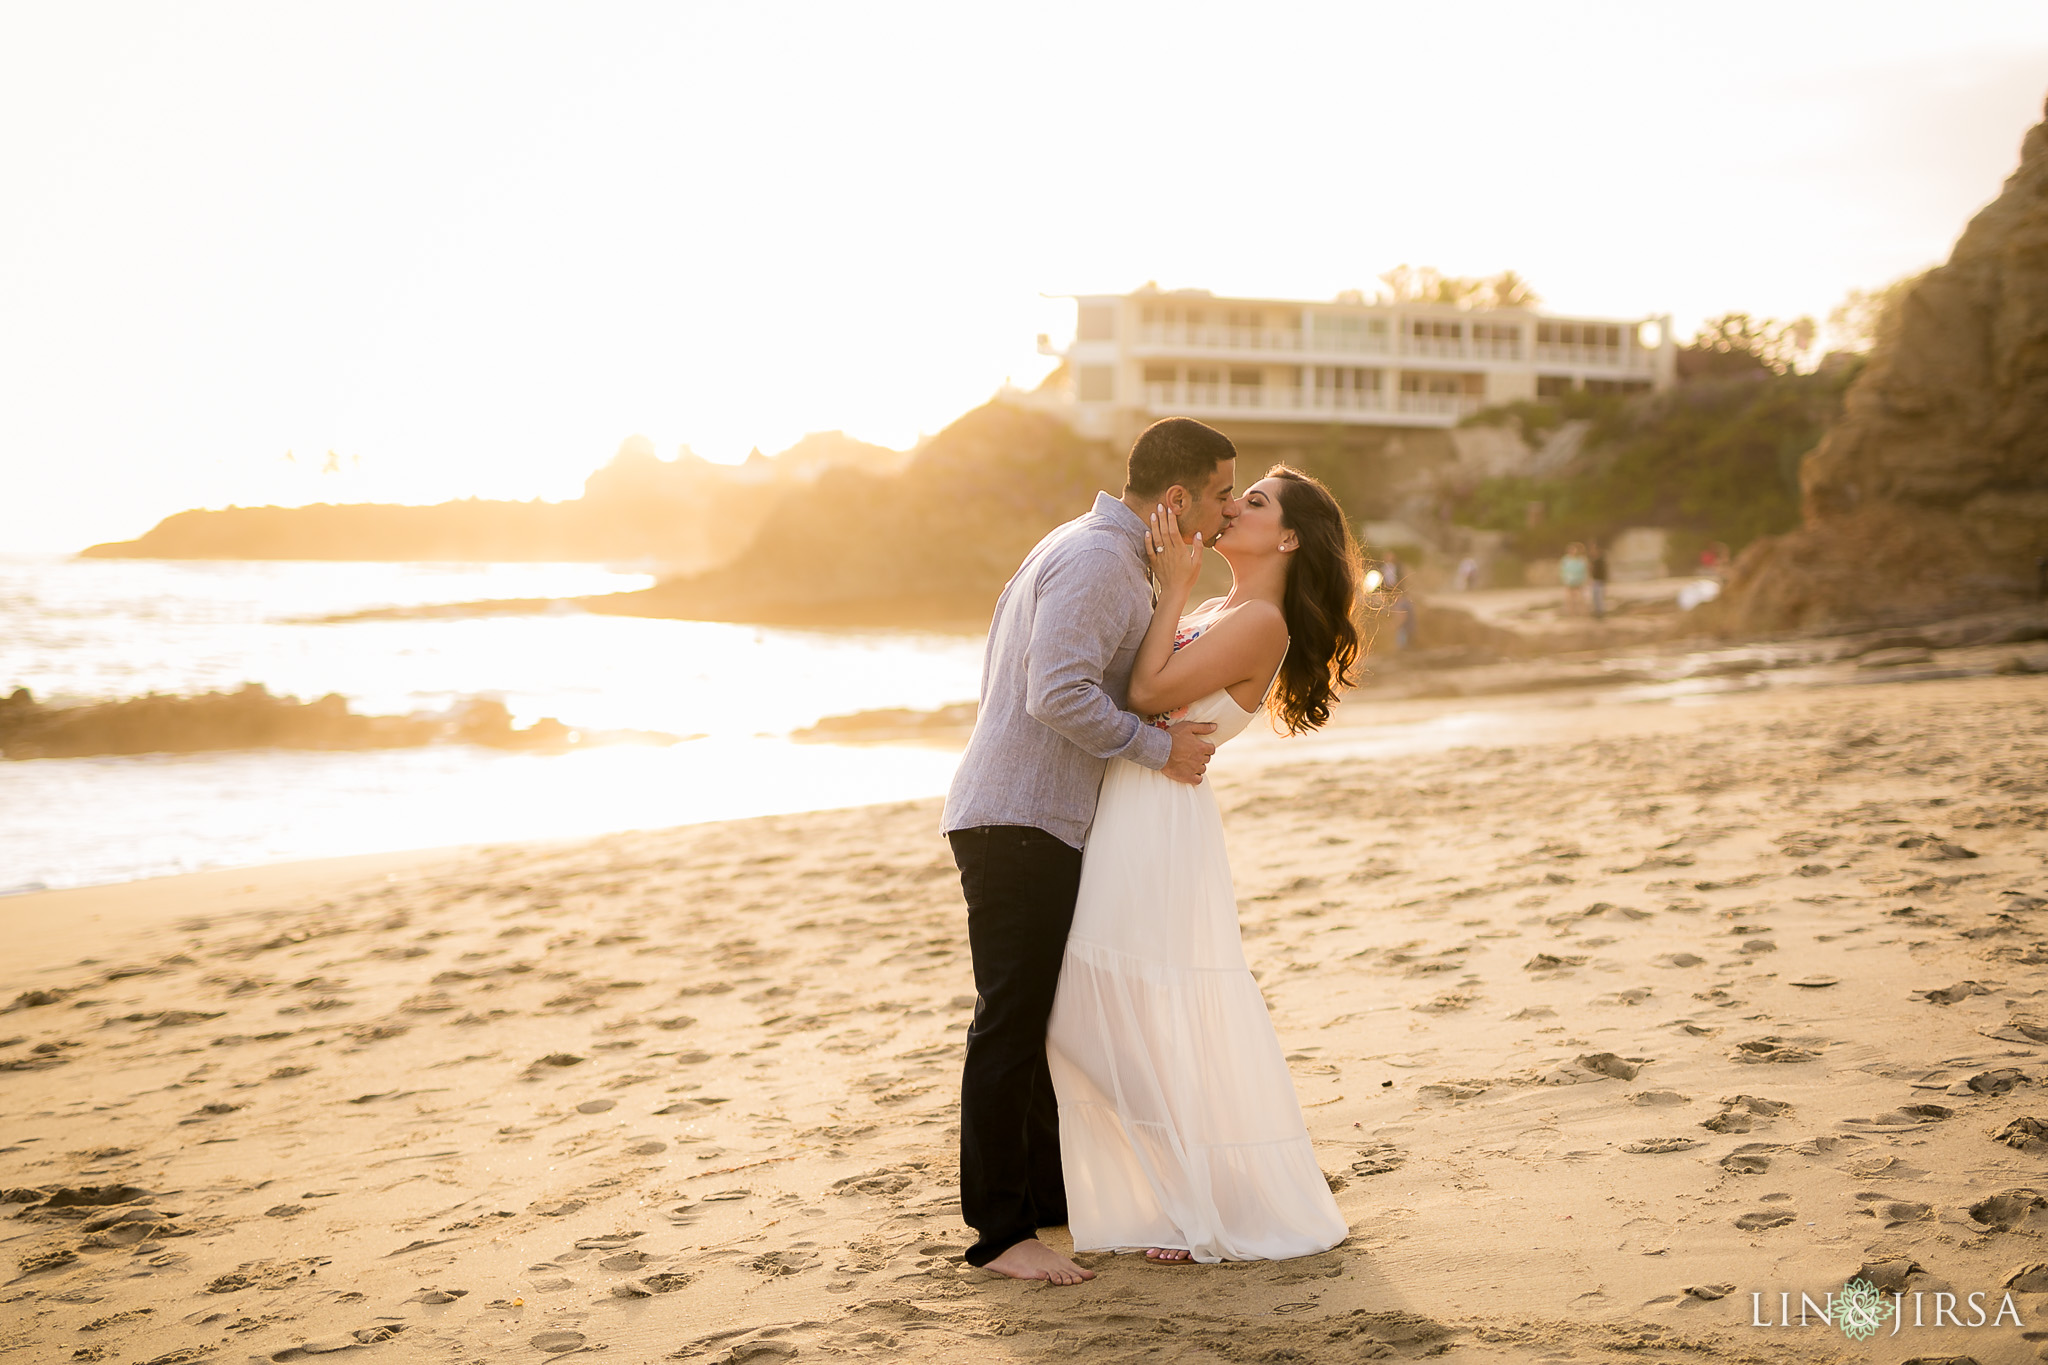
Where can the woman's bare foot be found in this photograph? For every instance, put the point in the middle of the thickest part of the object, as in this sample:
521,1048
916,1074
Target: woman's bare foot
1172,1255
1032,1259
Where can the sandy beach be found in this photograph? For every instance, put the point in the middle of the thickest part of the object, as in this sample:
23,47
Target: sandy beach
1605,1018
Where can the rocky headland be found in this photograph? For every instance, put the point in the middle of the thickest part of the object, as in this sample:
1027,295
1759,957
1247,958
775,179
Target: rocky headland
687,513
1930,496
932,545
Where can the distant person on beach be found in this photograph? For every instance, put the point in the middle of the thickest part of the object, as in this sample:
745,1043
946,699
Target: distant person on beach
1179,1125
1066,632
1393,582
1468,574
1572,571
1596,580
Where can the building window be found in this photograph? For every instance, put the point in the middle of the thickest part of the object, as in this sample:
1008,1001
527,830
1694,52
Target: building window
1204,374
1246,378
1160,374
1432,381
1618,386
1577,334
1553,385
1095,383
1433,329
1346,379
1338,332
1501,336
1249,318
1097,322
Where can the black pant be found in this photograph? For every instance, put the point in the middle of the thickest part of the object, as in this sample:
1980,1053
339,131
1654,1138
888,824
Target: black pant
1020,885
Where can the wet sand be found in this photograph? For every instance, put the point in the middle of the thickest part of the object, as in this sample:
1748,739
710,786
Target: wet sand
1604,1017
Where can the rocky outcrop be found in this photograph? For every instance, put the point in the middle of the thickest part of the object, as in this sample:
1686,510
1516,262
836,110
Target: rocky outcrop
931,546
252,718
1930,496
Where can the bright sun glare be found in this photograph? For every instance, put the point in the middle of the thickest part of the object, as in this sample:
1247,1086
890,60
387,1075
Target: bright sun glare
466,252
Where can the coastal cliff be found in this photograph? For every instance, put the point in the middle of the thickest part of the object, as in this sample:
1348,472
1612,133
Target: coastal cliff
1930,496
931,546
687,513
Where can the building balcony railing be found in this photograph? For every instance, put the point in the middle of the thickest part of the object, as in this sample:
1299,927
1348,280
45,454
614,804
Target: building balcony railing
1295,341
1293,400
1221,338
1596,357
1441,404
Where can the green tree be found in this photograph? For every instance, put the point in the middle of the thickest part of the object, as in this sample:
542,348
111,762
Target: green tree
1737,344
1427,284
1866,316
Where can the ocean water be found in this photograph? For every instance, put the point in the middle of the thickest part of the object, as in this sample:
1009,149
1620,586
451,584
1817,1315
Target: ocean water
81,630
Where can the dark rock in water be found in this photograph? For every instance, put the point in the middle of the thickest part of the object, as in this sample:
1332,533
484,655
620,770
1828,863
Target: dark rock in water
1930,496
251,718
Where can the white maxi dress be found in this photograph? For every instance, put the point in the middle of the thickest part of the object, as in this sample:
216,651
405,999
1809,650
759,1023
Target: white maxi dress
1179,1124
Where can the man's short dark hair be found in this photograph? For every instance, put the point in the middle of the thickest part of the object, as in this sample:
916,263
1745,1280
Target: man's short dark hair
1175,450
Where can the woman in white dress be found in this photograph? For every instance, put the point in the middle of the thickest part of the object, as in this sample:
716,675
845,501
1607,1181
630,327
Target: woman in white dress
1179,1127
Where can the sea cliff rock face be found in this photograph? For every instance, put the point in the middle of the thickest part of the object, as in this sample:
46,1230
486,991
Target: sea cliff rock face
934,544
1930,496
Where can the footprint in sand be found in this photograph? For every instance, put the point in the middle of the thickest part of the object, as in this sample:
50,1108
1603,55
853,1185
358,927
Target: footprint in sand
557,1342
1950,995
1891,1275
1893,1213
1763,1219
429,1294
1607,1064
1377,1159
1996,1081
2024,1133
2018,1210
362,1336
1740,1113
886,1181
776,1264
1653,1146
1906,1116
2020,1028
1751,1158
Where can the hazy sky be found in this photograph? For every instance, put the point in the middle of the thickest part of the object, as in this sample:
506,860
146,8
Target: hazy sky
471,247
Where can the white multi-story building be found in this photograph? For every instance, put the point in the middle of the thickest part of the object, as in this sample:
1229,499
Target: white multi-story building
1148,354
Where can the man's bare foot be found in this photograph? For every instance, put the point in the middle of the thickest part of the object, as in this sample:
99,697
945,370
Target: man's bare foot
1169,1254
1032,1259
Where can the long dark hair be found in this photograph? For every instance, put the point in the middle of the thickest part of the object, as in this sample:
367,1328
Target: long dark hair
1322,587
